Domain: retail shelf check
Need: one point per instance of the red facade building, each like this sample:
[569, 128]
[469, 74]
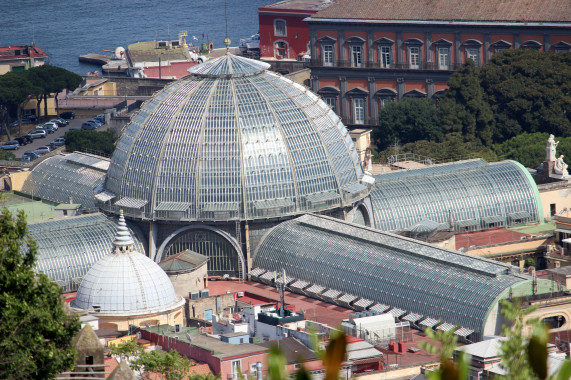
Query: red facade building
[368, 52]
[283, 33]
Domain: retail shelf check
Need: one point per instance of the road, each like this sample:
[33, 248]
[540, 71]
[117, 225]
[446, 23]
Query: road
[75, 123]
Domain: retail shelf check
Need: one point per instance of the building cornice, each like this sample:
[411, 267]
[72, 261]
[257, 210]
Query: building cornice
[440, 22]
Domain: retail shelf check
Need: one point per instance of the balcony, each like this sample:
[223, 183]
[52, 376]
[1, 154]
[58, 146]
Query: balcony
[377, 65]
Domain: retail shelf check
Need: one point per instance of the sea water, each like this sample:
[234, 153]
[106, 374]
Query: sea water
[66, 29]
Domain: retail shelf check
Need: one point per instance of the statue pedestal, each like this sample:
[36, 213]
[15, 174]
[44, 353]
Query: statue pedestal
[547, 168]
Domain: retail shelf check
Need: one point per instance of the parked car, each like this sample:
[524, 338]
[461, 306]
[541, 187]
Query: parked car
[10, 145]
[52, 124]
[38, 133]
[43, 150]
[67, 115]
[100, 118]
[23, 140]
[48, 127]
[59, 122]
[88, 126]
[96, 122]
[29, 156]
[60, 141]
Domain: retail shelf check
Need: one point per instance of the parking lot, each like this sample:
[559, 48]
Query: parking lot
[75, 123]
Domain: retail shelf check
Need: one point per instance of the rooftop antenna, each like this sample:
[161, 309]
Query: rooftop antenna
[226, 40]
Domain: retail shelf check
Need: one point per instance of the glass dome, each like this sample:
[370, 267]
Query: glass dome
[126, 282]
[233, 141]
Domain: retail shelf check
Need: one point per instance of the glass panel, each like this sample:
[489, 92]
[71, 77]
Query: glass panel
[359, 110]
[356, 56]
[280, 28]
[327, 55]
[414, 57]
[385, 56]
[443, 58]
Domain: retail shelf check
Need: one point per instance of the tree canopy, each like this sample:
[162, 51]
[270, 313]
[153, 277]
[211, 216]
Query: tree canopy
[16, 88]
[528, 91]
[464, 108]
[90, 141]
[513, 96]
[408, 120]
[35, 330]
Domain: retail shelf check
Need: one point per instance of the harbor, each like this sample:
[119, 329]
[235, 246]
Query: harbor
[164, 59]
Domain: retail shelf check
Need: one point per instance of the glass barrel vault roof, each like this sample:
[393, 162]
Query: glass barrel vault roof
[470, 191]
[385, 268]
[67, 248]
[233, 134]
[76, 175]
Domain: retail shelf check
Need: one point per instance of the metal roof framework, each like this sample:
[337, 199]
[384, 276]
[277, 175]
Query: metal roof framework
[469, 194]
[234, 133]
[387, 269]
[66, 176]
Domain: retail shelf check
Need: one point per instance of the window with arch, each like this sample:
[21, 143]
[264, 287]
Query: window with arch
[281, 49]
[385, 96]
[330, 96]
[356, 51]
[414, 52]
[531, 44]
[415, 94]
[500, 46]
[561, 47]
[280, 29]
[327, 45]
[472, 51]
[442, 50]
[385, 52]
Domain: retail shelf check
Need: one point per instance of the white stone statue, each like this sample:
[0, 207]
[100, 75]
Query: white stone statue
[550, 149]
[560, 167]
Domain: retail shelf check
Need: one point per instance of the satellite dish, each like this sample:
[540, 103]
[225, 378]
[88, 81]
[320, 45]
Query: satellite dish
[119, 52]
[188, 337]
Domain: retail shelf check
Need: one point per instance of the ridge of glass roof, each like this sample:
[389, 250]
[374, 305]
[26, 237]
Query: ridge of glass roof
[229, 66]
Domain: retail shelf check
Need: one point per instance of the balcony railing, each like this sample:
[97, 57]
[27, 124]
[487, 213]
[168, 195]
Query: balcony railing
[378, 65]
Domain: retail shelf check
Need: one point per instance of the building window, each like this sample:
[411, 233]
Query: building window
[359, 110]
[384, 100]
[280, 28]
[531, 44]
[331, 102]
[472, 49]
[500, 46]
[281, 50]
[385, 55]
[327, 55]
[561, 47]
[473, 53]
[356, 56]
[236, 373]
[443, 58]
[414, 57]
